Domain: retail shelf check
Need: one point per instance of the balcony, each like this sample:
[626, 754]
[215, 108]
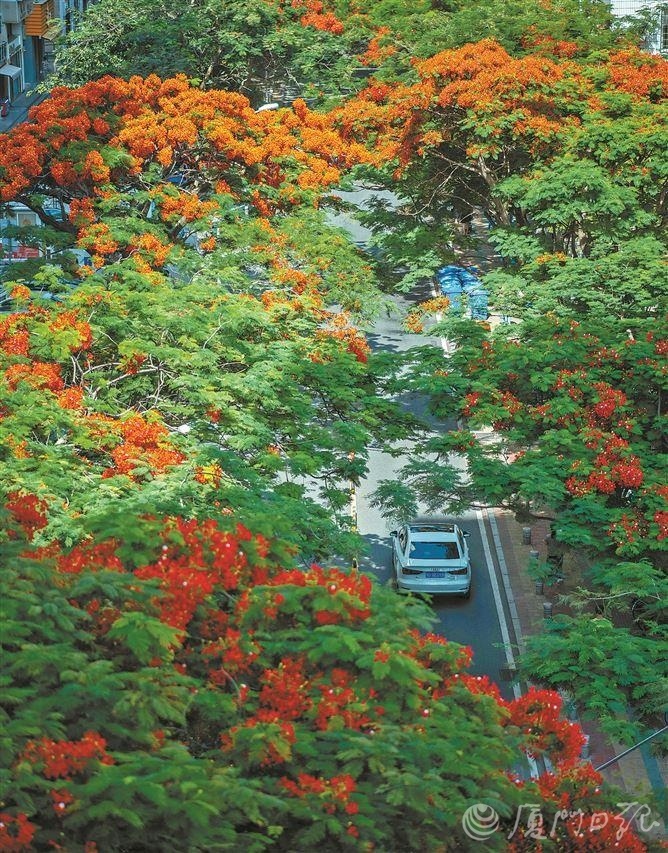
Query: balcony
[14, 11]
[38, 21]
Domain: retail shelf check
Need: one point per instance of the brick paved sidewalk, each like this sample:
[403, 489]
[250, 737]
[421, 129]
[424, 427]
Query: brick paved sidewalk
[640, 776]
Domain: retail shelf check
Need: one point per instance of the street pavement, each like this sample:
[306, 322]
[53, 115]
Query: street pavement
[482, 620]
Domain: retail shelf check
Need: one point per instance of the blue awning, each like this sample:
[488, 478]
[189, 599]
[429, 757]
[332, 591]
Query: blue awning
[12, 71]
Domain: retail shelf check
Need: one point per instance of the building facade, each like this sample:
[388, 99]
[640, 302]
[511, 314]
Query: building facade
[28, 29]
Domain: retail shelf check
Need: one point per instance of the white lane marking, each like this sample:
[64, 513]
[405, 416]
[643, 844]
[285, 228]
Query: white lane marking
[505, 577]
[503, 624]
[353, 506]
[505, 635]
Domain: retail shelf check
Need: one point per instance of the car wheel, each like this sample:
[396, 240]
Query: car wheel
[467, 594]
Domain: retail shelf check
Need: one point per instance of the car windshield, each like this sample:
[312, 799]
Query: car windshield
[434, 550]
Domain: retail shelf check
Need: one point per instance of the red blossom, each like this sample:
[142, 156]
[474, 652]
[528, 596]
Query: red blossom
[16, 832]
[28, 510]
[285, 689]
[332, 794]
[661, 518]
[470, 402]
[61, 800]
[63, 759]
[206, 557]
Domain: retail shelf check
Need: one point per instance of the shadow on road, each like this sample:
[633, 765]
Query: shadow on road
[385, 342]
[378, 558]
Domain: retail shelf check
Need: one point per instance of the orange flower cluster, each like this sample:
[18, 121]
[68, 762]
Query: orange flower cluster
[542, 91]
[96, 169]
[70, 321]
[341, 330]
[71, 398]
[82, 212]
[414, 321]
[327, 22]
[548, 45]
[144, 444]
[14, 337]
[209, 475]
[208, 245]
[639, 73]
[159, 121]
[175, 204]
[379, 48]
[316, 15]
[37, 374]
[152, 249]
[97, 239]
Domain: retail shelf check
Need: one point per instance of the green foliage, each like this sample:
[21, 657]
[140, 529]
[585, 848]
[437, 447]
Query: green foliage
[573, 404]
[605, 668]
[629, 282]
[227, 347]
[262, 45]
[233, 45]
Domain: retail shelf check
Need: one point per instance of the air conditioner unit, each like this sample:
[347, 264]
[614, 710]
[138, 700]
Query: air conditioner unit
[14, 11]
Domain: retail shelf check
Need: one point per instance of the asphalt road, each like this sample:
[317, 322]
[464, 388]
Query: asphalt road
[474, 622]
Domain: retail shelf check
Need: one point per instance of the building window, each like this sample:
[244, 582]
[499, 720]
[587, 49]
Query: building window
[663, 38]
[25, 218]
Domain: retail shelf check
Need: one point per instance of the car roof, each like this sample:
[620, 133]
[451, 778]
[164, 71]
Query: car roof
[432, 527]
[426, 533]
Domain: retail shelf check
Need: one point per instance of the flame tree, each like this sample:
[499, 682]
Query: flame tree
[169, 673]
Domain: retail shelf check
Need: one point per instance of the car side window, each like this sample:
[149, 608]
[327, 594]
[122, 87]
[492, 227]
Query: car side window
[402, 539]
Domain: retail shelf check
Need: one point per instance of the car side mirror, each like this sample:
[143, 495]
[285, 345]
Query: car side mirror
[466, 533]
[394, 532]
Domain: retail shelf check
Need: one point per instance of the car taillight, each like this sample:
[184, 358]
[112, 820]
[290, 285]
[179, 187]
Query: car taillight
[463, 571]
[406, 571]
